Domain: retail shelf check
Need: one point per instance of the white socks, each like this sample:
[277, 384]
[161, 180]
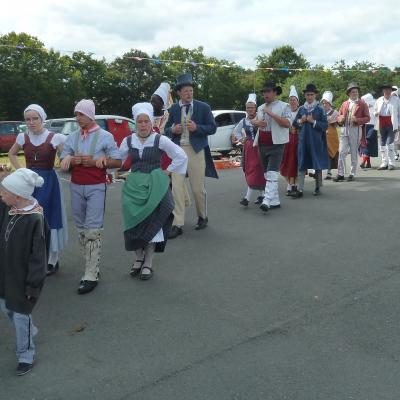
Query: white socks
[148, 258]
[53, 257]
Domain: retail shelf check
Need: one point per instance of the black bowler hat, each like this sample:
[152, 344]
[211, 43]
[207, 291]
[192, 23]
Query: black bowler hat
[310, 88]
[183, 80]
[352, 85]
[271, 85]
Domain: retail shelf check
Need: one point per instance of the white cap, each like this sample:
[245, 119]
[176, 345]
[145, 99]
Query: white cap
[163, 91]
[328, 96]
[143, 108]
[293, 92]
[38, 109]
[86, 107]
[369, 99]
[22, 182]
[252, 98]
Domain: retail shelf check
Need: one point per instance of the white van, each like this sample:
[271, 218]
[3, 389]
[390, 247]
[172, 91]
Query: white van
[226, 120]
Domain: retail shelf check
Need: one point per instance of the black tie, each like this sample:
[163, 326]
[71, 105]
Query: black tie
[187, 108]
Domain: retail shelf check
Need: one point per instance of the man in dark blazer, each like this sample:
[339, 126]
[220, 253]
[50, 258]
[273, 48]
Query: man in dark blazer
[189, 124]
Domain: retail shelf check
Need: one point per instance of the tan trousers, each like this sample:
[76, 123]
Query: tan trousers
[196, 172]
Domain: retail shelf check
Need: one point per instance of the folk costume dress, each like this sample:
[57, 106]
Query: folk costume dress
[40, 152]
[88, 192]
[251, 163]
[370, 148]
[289, 165]
[147, 202]
[312, 151]
[23, 255]
[351, 133]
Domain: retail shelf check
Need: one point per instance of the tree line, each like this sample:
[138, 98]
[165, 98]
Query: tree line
[30, 73]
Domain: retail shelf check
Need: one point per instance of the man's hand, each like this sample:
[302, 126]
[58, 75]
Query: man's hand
[101, 162]
[87, 161]
[303, 119]
[340, 119]
[177, 129]
[259, 124]
[310, 119]
[354, 119]
[192, 127]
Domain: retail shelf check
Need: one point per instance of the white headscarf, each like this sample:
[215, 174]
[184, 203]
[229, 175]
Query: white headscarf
[252, 98]
[328, 96]
[38, 109]
[143, 108]
[163, 91]
[293, 92]
[22, 182]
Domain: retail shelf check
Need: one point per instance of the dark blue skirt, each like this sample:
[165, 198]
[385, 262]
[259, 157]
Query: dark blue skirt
[49, 197]
[371, 149]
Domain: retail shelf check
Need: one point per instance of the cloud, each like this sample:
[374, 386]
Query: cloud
[324, 32]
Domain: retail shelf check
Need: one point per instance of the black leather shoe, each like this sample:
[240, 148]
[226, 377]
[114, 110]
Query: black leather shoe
[317, 192]
[259, 200]
[350, 178]
[86, 286]
[297, 195]
[276, 206]
[175, 232]
[382, 167]
[338, 178]
[244, 202]
[51, 269]
[23, 368]
[264, 208]
[201, 223]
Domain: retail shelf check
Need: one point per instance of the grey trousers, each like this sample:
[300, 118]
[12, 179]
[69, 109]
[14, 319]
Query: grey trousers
[24, 332]
[349, 144]
[88, 204]
[271, 157]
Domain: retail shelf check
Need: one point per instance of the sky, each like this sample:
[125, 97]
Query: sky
[235, 30]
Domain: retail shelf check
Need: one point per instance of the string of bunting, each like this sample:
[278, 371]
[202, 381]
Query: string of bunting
[196, 64]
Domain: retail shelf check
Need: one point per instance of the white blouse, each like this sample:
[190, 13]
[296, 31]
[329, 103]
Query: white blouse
[37, 140]
[174, 152]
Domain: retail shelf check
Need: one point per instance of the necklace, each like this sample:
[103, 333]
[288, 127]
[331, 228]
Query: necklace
[10, 226]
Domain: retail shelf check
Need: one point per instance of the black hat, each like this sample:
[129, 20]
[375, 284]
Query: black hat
[387, 86]
[183, 80]
[352, 85]
[310, 88]
[270, 85]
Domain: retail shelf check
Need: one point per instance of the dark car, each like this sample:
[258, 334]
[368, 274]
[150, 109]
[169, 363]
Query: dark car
[8, 133]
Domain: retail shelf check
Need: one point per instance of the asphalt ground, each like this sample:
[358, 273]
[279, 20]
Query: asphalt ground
[301, 303]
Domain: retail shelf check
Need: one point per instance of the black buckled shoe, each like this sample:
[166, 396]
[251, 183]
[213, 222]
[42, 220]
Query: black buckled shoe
[297, 194]
[264, 208]
[23, 368]
[175, 232]
[350, 178]
[244, 202]
[338, 178]
[52, 269]
[86, 286]
[259, 200]
[275, 207]
[201, 223]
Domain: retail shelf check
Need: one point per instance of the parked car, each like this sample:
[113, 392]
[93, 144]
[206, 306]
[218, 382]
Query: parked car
[120, 127]
[226, 120]
[8, 133]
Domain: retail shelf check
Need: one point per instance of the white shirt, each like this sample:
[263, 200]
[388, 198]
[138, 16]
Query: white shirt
[37, 140]
[174, 152]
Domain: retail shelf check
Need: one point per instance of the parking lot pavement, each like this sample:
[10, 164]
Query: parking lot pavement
[301, 303]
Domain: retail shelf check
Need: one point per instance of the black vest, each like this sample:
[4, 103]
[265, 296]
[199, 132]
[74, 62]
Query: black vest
[150, 159]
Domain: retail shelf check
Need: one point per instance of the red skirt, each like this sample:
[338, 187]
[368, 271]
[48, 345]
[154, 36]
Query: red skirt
[289, 165]
[253, 170]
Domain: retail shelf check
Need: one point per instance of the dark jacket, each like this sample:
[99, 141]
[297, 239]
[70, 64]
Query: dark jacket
[312, 147]
[23, 258]
[206, 126]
